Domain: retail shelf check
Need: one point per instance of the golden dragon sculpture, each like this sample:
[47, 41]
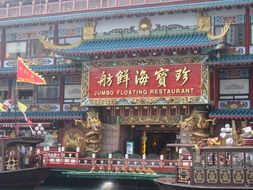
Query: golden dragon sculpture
[87, 136]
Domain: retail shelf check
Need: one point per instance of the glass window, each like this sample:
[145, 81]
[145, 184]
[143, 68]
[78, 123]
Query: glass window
[234, 84]
[235, 35]
[3, 95]
[69, 40]
[72, 92]
[25, 95]
[4, 83]
[48, 94]
[37, 49]
[15, 49]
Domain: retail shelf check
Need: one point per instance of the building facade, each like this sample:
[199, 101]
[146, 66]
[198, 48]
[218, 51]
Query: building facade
[143, 68]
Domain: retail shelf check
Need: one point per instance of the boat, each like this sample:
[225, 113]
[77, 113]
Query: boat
[211, 167]
[20, 163]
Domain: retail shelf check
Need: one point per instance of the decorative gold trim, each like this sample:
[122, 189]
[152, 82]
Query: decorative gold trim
[132, 120]
[48, 45]
[145, 26]
[203, 99]
[88, 34]
[222, 34]
[204, 24]
[89, 31]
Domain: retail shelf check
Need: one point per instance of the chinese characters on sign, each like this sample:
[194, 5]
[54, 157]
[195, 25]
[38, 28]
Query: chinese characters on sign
[145, 81]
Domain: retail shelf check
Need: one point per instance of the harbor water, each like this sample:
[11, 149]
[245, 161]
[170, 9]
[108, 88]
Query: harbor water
[93, 184]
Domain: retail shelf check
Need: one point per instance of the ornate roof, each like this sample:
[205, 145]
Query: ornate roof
[136, 11]
[61, 68]
[141, 43]
[231, 60]
[55, 115]
[232, 113]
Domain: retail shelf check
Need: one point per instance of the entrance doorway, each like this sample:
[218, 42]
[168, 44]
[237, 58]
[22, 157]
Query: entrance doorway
[156, 140]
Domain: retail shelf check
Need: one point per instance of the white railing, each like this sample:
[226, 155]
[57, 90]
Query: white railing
[64, 6]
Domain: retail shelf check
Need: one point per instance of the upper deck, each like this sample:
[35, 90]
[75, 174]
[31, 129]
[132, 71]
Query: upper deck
[30, 8]
[23, 8]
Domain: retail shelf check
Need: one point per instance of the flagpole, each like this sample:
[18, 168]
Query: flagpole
[15, 102]
[25, 74]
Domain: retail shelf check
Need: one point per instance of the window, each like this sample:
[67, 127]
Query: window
[235, 35]
[72, 90]
[25, 95]
[70, 35]
[37, 49]
[15, 49]
[3, 95]
[72, 93]
[234, 84]
[4, 86]
[48, 94]
[69, 40]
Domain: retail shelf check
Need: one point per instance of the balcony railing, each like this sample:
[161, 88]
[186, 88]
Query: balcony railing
[44, 7]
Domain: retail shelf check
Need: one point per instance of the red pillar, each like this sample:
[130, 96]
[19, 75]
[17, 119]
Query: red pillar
[3, 47]
[211, 85]
[56, 37]
[250, 86]
[247, 30]
[216, 87]
[62, 89]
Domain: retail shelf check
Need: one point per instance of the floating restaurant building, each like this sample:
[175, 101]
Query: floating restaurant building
[123, 76]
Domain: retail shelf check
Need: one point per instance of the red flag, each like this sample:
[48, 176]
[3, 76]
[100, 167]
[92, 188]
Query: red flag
[26, 75]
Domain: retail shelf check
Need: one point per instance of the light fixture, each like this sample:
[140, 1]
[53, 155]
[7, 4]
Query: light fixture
[162, 126]
[147, 126]
[132, 126]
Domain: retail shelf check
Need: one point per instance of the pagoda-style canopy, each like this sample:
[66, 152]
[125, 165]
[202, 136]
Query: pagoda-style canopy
[231, 60]
[176, 6]
[185, 41]
[53, 69]
[55, 115]
[232, 114]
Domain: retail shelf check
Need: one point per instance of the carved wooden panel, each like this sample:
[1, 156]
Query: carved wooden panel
[212, 176]
[238, 176]
[225, 176]
[199, 176]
